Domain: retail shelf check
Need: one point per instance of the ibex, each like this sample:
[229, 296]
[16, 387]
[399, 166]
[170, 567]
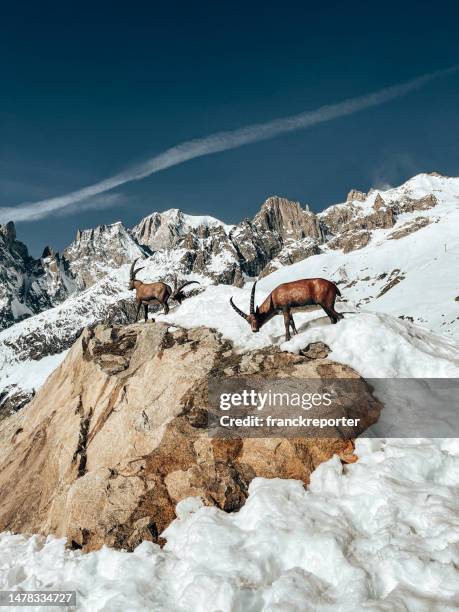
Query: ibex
[289, 296]
[146, 293]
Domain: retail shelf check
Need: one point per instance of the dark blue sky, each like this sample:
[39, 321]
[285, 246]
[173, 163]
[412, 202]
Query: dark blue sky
[88, 89]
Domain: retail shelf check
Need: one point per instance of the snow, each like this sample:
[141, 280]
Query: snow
[374, 344]
[378, 345]
[348, 542]
[29, 375]
[196, 221]
[381, 534]
[424, 261]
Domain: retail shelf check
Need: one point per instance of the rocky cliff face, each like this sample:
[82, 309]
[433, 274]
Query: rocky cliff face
[225, 253]
[29, 285]
[281, 233]
[96, 252]
[106, 462]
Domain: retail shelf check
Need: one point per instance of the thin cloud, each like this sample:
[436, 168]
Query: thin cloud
[216, 143]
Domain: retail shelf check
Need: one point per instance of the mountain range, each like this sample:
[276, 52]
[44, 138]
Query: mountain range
[392, 250]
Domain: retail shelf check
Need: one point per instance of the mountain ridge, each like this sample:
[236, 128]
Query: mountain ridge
[281, 232]
[393, 251]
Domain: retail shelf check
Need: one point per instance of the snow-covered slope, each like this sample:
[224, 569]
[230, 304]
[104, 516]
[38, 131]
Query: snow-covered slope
[375, 344]
[350, 542]
[407, 269]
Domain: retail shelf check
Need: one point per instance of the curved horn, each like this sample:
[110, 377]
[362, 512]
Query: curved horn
[239, 312]
[185, 284]
[252, 298]
[131, 272]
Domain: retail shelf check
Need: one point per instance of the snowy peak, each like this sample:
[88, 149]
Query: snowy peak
[96, 252]
[28, 285]
[289, 220]
[165, 230]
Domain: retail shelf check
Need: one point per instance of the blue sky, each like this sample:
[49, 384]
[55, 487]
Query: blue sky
[91, 90]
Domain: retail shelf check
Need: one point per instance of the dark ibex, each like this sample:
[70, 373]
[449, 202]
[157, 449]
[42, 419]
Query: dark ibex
[146, 293]
[289, 296]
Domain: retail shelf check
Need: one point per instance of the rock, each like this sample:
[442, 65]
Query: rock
[316, 350]
[27, 285]
[351, 241]
[12, 399]
[409, 228]
[394, 278]
[117, 436]
[287, 220]
[292, 253]
[410, 205]
[95, 251]
[357, 195]
[348, 217]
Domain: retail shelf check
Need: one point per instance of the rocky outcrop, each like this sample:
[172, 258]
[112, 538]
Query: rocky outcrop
[13, 399]
[118, 435]
[281, 233]
[292, 252]
[350, 241]
[411, 205]
[356, 195]
[204, 245]
[28, 285]
[95, 252]
[287, 220]
[344, 218]
[394, 278]
[166, 230]
[409, 228]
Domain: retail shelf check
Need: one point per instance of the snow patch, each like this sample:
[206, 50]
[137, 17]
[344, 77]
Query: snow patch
[351, 541]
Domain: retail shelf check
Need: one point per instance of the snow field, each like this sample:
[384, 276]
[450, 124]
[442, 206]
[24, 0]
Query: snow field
[350, 541]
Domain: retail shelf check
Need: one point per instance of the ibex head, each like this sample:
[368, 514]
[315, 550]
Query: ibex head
[253, 318]
[177, 292]
[132, 274]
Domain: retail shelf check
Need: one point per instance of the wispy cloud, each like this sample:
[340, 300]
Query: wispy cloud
[215, 143]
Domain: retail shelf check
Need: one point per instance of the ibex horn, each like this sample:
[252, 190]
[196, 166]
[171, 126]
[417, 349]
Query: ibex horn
[185, 284]
[132, 273]
[252, 299]
[239, 312]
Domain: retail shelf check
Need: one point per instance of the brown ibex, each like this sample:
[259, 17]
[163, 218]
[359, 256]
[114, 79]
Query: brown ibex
[289, 296]
[146, 293]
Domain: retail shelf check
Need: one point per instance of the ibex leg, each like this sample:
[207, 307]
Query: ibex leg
[138, 311]
[145, 307]
[331, 314]
[338, 315]
[286, 314]
[292, 325]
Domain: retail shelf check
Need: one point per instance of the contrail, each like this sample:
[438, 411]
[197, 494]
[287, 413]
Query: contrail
[215, 143]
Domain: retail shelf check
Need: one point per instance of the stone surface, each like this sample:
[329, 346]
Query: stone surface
[409, 228]
[117, 436]
[351, 241]
[316, 350]
[281, 233]
[95, 252]
[29, 285]
[357, 195]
